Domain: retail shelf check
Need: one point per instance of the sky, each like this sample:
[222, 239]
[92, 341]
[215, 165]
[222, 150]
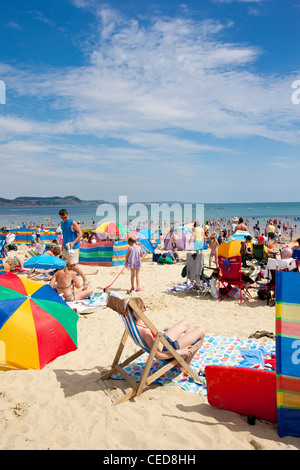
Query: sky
[195, 101]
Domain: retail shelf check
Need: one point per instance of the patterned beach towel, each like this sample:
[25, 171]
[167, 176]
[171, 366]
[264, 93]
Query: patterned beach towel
[216, 350]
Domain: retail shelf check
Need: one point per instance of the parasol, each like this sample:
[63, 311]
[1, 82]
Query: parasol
[36, 324]
[229, 249]
[44, 262]
[112, 227]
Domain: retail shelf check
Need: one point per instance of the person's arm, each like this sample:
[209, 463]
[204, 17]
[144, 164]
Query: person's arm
[126, 257]
[76, 280]
[77, 229]
[163, 355]
[53, 281]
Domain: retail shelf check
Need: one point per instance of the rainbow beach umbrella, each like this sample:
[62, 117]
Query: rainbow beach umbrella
[36, 325]
[112, 227]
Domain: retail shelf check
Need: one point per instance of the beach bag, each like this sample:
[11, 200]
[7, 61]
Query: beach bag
[262, 293]
[183, 272]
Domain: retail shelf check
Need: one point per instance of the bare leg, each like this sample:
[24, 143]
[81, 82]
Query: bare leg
[191, 337]
[177, 330]
[137, 277]
[216, 261]
[79, 295]
[132, 272]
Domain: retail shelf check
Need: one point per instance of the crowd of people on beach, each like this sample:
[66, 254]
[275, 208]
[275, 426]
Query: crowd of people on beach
[72, 283]
[208, 236]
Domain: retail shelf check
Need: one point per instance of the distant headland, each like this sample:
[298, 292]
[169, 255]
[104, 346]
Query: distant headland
[48, 201]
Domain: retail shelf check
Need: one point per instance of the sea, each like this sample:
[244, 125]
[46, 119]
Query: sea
[137, 215]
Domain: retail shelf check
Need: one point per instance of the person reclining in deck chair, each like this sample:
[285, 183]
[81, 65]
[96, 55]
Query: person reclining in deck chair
[177, 336]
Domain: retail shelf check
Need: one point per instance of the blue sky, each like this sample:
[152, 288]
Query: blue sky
[163, 100]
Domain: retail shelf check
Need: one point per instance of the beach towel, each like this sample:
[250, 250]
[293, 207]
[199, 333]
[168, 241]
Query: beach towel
[89, 304]
[181, 287]
[216, 350]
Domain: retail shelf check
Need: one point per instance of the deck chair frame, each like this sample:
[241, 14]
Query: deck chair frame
[138, 387]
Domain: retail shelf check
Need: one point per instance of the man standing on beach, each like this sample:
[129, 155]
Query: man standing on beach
[72, 235]
[240, 226]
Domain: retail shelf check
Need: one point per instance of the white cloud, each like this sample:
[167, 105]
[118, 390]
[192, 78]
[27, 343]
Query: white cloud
[173, 74]
[159, 91]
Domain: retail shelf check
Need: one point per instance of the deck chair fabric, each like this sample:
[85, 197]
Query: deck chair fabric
[230, 278]
[131, 331]
[2, 268]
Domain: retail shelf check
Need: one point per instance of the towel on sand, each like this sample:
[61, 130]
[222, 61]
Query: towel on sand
[216, 350]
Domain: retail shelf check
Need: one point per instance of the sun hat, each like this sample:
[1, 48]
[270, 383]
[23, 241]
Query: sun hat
[235, 219]
[260, 239]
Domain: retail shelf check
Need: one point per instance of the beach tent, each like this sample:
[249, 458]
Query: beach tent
[185, 240]
[288, 352]
[103, 253]
[144, 235]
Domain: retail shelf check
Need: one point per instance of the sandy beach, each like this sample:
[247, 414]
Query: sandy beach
[63, 406]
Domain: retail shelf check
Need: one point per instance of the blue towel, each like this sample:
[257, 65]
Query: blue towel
[253, 358]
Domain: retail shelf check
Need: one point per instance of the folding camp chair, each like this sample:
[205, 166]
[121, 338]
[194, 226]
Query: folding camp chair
[259, 253]
[131, 330]
[271, 285]
[230, 277]
[204, 286]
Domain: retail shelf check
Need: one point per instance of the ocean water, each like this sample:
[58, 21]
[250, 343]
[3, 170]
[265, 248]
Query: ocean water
[285, 211]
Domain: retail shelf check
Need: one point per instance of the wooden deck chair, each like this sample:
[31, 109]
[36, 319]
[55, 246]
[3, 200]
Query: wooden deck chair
[131, 331]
